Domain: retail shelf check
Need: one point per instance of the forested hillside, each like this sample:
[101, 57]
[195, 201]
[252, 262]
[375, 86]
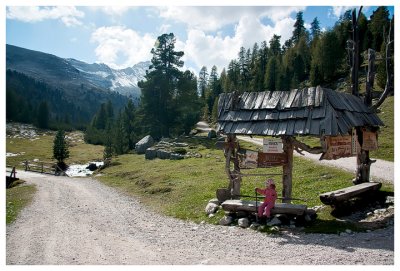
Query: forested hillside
[310, 57]
[32, 101]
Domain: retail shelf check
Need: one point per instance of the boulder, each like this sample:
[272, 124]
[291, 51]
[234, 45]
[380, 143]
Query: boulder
[211, 208]
[244, 222]
[151, 153]
[163, 154]
[145, 143]
[226, 220]
[216, 201]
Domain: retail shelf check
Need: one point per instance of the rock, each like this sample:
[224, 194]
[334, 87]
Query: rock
[181, 145]
[348, 231]
[274, 222]
[389, 200]
[241, 214]
[243, 222]
[92, 167]
[212, 134]
[145, 143]
[216, 201]
[151, 153]
[254, 226]
[307, 218]
[211, 208]
[176, 156]
[226, 220]
[36, 160]
[211, 215]
[163, 154]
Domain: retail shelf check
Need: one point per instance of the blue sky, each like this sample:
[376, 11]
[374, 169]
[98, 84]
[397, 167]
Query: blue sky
[122, 35]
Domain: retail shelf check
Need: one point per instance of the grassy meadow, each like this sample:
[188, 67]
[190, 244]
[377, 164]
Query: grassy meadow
[182, 188]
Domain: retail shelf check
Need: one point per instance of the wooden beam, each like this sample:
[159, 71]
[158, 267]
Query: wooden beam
[287, 169]
[250, 206]
[334, 197]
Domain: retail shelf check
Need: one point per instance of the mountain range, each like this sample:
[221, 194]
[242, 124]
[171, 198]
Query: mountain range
[66, 72]
[71, 91]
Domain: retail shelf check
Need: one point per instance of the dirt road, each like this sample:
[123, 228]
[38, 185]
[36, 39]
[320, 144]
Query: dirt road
[81, 221]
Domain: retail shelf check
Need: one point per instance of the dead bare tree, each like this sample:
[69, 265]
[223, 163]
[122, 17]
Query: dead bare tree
[389, 86]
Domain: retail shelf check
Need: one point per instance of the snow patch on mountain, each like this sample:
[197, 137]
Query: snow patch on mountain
[124, 81]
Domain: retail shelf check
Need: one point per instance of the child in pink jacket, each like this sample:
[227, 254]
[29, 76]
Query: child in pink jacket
[269, 201]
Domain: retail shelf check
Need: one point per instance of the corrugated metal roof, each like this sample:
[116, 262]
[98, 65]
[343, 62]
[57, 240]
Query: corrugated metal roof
[309, 111]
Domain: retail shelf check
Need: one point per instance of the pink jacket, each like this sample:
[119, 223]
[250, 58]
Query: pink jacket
[270, 195]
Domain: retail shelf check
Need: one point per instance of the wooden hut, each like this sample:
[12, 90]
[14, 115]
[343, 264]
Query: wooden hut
[313, 111]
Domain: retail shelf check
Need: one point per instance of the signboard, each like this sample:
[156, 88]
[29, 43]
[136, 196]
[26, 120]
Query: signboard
[252, 159]
[271, 159]
[248, 159]
[370, 141]
[272, 145]
[338, 147]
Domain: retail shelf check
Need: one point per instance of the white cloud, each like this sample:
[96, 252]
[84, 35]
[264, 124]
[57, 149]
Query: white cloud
[68, 15]
[121, 47]
[336, 11]
[214, 18]
[206, 49]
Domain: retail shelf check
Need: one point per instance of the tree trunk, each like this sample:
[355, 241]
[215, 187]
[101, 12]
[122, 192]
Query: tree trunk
[234, 179]
[363, 162]
[287, 169]
[370, 77]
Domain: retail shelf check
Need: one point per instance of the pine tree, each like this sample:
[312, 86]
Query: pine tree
[160, 85]
[299, 29]
[315, 29]
[379, 26]
[203, 81]
[108, 144]
[60, 149]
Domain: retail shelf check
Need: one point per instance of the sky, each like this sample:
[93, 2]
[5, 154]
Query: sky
[122, 35]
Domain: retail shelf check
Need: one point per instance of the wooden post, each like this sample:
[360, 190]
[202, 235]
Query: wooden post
[287, 169]
[26, 165]
[370, 77]
[234, 178]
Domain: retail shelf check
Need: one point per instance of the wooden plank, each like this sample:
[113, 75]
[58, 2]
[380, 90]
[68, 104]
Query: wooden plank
[290, 99]
[259, 100]
[248, 104]
[250, 206]
[266, 100]
[334, 197]
[282, 101]
[311, 96]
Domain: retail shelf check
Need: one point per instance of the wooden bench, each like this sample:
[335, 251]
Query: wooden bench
[235, 205]
[344, 194]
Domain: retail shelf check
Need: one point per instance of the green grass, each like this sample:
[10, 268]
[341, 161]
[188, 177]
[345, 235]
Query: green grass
[16, 199]
[386, 133]
[182, 188]
[42, 149]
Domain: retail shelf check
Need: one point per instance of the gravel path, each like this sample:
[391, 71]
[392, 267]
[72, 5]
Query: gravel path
[81, 221]
[382, 170]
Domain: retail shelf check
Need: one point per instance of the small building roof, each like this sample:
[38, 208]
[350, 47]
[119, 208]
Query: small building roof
[310, 111]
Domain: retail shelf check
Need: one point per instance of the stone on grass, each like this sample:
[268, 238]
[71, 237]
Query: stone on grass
[216, 201]
[163, 154]
[211, 208]
[145, 143]
[151, 153]
[176, 156]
